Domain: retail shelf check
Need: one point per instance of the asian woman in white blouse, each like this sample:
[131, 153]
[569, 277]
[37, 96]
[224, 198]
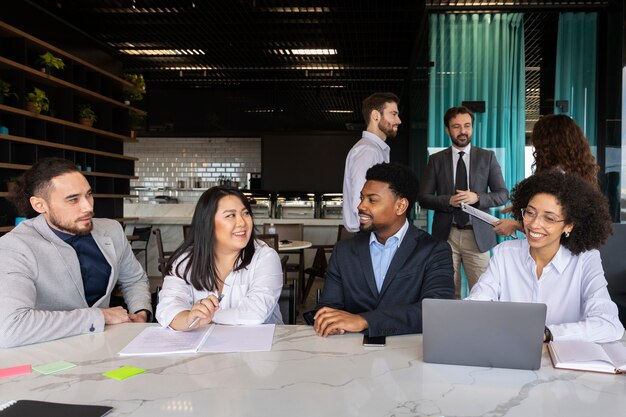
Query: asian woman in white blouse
[221, 273]
[565, 219]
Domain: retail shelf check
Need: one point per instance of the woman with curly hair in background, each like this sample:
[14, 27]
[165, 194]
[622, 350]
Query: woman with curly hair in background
[561, 145]
[565, 220]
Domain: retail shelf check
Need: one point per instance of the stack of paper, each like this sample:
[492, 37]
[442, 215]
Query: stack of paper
[215, 338]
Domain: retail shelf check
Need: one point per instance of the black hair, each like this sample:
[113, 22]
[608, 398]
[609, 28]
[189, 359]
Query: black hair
[401, 179]
[455, 111]
[198, 248]
[377, 101]
[36, 182]
[583, 205]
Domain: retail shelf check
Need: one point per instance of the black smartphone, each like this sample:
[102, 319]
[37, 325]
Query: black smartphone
[309, 317]
[377, 341]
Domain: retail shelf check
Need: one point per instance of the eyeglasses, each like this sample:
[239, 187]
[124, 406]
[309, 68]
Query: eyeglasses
[546, 219]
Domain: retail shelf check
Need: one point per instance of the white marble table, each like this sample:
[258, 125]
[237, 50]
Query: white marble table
[304, 375]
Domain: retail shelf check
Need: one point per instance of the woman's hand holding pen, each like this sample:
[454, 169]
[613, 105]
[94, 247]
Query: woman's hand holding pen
[202, 312]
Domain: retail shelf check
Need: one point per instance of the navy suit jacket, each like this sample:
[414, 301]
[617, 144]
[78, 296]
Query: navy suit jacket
[421, 268]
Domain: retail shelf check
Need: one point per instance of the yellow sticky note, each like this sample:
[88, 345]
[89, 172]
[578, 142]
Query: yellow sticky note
[124, 372]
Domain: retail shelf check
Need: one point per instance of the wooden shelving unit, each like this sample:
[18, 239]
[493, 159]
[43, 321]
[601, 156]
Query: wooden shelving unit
[50, 80]
[97, 150]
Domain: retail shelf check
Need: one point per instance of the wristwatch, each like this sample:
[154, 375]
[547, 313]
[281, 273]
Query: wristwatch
[547, 335]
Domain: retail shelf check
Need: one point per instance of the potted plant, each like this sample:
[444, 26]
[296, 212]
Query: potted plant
[86, 115]
[138, 81]
[136, 122]
[36, 101]
[50, 61]
[5, 91]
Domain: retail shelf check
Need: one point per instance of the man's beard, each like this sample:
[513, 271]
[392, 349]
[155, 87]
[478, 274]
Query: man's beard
[387, 129]
[370, 228]
[69, 228]
[460, 144]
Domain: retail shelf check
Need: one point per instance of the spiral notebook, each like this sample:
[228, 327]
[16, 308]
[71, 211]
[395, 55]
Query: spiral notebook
[30, 408]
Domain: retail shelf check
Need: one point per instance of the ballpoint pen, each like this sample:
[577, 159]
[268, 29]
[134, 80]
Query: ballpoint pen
[197, 319]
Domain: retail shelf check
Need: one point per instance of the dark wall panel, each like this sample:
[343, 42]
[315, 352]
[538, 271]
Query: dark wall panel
[306, 162]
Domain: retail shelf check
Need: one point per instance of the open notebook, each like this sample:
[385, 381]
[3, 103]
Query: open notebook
[588, 356]
[156, 340]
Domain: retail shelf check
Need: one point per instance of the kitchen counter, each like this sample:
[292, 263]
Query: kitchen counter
[182, 214]
[169, 218]
[258, 222]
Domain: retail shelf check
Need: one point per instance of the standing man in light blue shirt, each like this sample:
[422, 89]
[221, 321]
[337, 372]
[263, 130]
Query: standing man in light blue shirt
[380, 111]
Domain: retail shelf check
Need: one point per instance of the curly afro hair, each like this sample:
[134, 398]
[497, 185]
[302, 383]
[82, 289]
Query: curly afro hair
[583, 205]
[401, 179]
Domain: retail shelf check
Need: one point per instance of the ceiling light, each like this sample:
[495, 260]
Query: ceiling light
[162, 51]
[303, 51]
[339, 111]
[313, 51]
[262, 111]
[142, 10]
[296, 9]
[188, 68]
[317, 67]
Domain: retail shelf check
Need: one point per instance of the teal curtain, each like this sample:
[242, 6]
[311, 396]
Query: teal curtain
[576, 70]
[480, 57]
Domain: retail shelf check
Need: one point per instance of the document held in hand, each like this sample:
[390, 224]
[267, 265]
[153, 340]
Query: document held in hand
[481, 215]
[216, 338]
[588, 356]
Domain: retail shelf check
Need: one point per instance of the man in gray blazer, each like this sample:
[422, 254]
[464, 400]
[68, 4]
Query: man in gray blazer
[463, 174]
[58, 270]
[376, 281]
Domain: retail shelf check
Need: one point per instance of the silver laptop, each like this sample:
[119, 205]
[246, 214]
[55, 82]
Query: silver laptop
[483, 333]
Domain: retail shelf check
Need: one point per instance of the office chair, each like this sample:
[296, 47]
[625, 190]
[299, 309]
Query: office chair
[612, 254]
[140, 244]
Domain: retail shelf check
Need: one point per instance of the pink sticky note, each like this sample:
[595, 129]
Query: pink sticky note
[15, 371]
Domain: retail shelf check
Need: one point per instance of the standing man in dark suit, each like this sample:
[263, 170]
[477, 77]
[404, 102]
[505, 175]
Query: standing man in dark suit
[465, 174]
[377, 280]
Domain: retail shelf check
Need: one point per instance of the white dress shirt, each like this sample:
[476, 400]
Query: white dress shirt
[466, 159]
[366, 153]
[573, 288]
[249, 296]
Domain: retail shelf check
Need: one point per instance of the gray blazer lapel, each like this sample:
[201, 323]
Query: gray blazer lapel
[448, 170]
[365, 259]
[105, 243]
[407, 247]
[474, 158]
[66, 253]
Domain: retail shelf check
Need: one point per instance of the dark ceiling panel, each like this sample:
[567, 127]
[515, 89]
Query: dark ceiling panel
[241, 51]
[245, 48]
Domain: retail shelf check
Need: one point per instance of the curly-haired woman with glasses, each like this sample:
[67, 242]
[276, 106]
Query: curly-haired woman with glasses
[565, 221]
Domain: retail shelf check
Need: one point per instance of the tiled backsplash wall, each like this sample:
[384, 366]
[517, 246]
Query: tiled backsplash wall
[163, 162]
